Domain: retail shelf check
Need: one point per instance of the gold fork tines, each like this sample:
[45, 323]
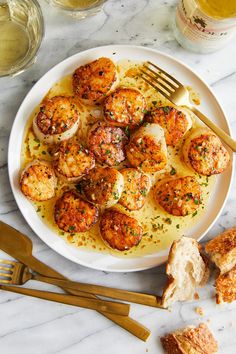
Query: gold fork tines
[10, 271]
[178, 94]
[6, 271]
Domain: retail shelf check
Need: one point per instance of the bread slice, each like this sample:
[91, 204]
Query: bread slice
[190, 340]
[222, 250]
[186, 269]
[226, 287]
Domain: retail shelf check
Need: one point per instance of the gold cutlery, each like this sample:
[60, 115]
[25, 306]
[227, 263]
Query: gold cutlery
[92, 304]
[175, 92]
[18, 274]
[19, 247]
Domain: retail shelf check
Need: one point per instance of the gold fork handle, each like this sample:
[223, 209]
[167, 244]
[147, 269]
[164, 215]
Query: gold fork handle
[93, 304]
[224, 136]
[130, 296]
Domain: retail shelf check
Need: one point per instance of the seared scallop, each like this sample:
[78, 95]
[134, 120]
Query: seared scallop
[107, 143]
[73, 214]
[120, 231]
[93, 81]
[38, 181]
[174, 122]
[103, 186]
[57, 120]
[205, 153]
[179, 196]
[147, 148]
[71, 160]
[125, 107]
[136, 188]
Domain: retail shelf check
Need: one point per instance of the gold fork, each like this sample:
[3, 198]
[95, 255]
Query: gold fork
[14, 273]
[175, 92]
[17, 273]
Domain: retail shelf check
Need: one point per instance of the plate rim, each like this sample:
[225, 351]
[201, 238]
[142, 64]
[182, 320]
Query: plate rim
[162, 257]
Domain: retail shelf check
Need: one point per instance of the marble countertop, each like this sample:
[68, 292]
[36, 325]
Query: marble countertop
[30, 325]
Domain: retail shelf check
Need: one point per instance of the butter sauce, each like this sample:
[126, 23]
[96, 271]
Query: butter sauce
[160, 229]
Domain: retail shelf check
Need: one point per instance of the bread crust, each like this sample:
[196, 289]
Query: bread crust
[222, 250]
[190, 340]
[226, 287]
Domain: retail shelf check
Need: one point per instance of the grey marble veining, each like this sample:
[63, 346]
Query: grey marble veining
[33, 326]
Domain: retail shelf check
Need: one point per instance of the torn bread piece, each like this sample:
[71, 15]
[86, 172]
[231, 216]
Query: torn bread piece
[222, 250]
[187, 269]
[190, 340]
[226, 287]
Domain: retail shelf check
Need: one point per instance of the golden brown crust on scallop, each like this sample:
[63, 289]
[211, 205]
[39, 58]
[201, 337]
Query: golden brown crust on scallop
[207, 155]
[191, 340]
[73, 214]
[174, 122]
[179, 196]
[226, 287]
[120, 231]
[125, 107]
[94, 80]
[107, 143]
[222, 249]
[102, 186]
[71, 160]
[57, 115]
[136, 188]
[38, 181]
[145, 152]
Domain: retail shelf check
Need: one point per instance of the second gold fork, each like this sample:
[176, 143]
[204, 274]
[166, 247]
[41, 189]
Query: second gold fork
[18, 274]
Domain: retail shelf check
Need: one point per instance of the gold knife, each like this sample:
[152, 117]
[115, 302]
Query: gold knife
[80, 301]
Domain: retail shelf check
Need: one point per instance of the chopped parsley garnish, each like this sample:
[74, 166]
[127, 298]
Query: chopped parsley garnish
[172, 171]
[143, 191]
[166, 109]
[168, 221]
[115, 195]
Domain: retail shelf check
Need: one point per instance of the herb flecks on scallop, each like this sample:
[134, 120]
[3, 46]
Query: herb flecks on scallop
[179, 196]
[120, 231]
[147, 148]
[175, 123]
[125, 107]
[73, 214]
[107, 143]
[93, 81]
[57, 120]
[102, 186]
[136, 188]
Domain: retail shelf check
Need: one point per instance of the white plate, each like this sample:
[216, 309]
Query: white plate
[209, 105]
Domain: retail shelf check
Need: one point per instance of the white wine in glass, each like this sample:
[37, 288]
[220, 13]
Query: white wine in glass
[78, 8]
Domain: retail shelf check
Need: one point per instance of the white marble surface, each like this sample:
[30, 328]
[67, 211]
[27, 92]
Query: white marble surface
[34, 326]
